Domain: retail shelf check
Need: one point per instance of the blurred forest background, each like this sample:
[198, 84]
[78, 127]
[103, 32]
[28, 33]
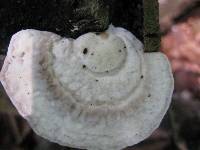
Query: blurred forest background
[180, 129]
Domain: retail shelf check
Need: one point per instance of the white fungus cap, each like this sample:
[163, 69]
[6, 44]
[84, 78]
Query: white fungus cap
[97, 92]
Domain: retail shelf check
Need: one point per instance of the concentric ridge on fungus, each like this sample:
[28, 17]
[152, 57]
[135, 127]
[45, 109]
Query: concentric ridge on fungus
[99, 91]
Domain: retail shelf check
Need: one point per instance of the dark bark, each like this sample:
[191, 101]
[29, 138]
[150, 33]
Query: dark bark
[69, 18]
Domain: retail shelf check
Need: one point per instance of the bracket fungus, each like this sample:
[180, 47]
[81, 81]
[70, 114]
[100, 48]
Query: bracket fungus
[99, 91]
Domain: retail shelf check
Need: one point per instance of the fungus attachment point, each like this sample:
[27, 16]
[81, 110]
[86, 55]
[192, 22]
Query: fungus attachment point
[92, 91]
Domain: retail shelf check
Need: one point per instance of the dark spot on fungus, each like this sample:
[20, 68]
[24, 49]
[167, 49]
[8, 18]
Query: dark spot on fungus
[42, 61]
[28, 93]
[54, 57]
[72, 107]
[124, 46]
[92, 53]
[120, 51]
[85, 51]
[142, 77]
[96, 80]
[107, 71]
[13, 56]
[22, 54]
[84, 66]
[149, 95]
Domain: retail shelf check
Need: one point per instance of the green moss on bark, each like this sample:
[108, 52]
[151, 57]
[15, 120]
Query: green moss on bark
[100, 11]
[152, 44]
[89, 16]
[151, 26]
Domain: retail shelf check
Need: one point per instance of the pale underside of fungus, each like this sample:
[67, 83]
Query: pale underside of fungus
[97, 92]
